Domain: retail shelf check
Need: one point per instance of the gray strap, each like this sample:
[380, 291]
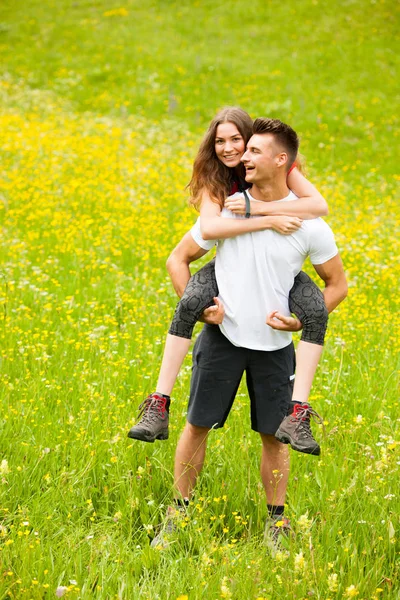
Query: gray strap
[247, 199]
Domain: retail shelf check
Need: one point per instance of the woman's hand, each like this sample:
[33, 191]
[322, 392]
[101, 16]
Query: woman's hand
[236, 205]
[283, 323]
[285, 225]
[281, 223]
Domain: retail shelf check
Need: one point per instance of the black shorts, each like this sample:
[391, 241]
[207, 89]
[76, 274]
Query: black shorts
[218, 367]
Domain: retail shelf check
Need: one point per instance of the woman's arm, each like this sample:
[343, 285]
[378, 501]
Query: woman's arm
[213, 227]
[310, 203]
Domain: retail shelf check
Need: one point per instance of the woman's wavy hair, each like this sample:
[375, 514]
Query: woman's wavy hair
[209, 173]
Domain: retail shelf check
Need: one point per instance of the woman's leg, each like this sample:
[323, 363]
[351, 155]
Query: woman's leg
[307, 359]
[198, 295]
[306, 301]
[175, 350]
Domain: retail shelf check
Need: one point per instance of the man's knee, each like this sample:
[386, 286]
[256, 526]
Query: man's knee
[192, 444]
[271, 444]
[196, 432]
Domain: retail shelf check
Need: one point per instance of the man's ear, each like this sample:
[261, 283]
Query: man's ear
[281, 159]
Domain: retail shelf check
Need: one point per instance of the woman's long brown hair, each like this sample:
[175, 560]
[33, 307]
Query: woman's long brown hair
[301, 163]
[209, 173]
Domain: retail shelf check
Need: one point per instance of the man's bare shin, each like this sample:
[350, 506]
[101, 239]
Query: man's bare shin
[274, 469]
[189, 459]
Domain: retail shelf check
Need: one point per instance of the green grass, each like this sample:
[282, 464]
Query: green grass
[101, 117]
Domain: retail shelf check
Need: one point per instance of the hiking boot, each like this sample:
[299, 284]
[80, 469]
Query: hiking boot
[153, 424]
[295, 430]
[169, 527]
[277, 533]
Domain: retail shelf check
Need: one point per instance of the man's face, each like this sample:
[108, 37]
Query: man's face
[262, 158]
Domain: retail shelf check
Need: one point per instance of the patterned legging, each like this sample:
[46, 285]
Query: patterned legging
[306, 301]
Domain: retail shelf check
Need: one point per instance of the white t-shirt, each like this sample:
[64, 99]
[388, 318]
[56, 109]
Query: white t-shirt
[255, 273]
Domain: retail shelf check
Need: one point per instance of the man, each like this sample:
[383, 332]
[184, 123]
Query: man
[255, 273]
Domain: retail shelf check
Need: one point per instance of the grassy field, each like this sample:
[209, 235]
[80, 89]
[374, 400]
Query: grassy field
[103, 107]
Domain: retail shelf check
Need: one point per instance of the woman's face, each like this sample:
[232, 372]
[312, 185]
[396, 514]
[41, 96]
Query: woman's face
[229, 144]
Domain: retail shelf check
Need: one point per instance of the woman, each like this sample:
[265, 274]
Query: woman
[217, 174]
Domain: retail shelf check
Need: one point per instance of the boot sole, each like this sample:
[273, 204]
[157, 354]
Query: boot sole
[286, 439]
[146, 438]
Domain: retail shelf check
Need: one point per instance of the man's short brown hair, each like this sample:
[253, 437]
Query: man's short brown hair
[284, 134]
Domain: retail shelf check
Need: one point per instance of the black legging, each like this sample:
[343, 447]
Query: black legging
[306, 301]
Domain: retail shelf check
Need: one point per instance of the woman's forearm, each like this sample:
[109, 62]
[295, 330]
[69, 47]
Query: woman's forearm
[220, 228]
[310, 203]
[303, 208]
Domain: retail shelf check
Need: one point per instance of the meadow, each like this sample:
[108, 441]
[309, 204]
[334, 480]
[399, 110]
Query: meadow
[103, 105]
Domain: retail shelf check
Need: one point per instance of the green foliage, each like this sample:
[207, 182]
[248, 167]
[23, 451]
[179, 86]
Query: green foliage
[103, 106]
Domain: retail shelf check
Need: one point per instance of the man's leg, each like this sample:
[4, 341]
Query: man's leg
[274, 469]
[269, 383]
[217, 369]
[189, 459]
[274, 474]
[216, 375]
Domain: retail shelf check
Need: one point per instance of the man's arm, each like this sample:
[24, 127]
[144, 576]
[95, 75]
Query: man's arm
[332, 273]
[178, 268]
[179, 260]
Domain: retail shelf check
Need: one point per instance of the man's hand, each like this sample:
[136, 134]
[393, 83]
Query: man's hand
[282, 322]
[214, 315]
